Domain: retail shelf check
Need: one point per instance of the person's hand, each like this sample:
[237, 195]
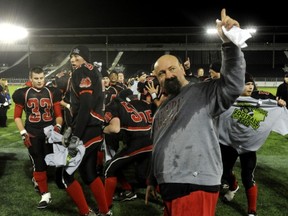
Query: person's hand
[227, 22]
[26, 138]
[150, 190]
[281, 102]
[57, 128]
[73, 144]
[152, 90]
[187, 64]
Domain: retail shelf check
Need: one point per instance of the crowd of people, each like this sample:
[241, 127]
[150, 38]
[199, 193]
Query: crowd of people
[167, 123]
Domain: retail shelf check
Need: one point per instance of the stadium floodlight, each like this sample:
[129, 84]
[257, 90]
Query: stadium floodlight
[11, 33]
[251, 30]
[212, 31]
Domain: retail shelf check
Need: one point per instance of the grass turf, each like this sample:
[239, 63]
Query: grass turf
[19, 198]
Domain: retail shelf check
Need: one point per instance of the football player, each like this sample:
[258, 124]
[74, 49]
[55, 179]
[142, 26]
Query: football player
[87, 105]
[134, 119]
[42, 107]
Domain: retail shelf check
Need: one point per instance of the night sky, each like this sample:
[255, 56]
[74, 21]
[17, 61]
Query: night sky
[105, 13]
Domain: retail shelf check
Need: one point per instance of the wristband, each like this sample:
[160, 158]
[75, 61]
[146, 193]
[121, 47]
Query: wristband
[22, 132]
[68, 106]
[154, 96]
[59, 126]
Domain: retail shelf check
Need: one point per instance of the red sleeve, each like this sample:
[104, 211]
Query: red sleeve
[18, 111]
[57, 109]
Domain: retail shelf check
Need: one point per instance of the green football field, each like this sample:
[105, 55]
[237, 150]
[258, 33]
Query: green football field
[19, 198]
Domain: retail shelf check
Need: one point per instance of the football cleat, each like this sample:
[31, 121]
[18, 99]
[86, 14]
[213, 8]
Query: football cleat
[252, 214]
[125, 196]
[90, 213]
[230, 194]
[109, 213]
[45, 200]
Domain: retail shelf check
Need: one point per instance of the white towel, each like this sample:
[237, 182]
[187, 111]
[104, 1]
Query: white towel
[59, 157]
[237, 35]
[53, 136]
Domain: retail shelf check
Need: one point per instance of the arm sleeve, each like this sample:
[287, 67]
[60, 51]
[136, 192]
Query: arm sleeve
[111, 111]
[57, 109]
[83, 115]
[223, 92]
[19, 100]
[18, 111]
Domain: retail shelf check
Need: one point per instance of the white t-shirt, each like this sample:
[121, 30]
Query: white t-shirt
[247, 124]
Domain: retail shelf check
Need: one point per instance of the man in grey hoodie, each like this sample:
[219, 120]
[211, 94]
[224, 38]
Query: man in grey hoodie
[186, 157]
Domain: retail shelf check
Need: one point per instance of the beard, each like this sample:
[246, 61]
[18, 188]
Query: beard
[172, 86]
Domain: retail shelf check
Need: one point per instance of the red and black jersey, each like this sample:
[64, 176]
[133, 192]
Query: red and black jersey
[119, 87]
[38, 105]
[86, 98]
[110, 94]
[135, 117]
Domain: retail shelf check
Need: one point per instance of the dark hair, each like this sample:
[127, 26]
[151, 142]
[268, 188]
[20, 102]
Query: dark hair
[249, 77]
[36, 70]
[113, 72]
[105, 73]
[141, 72]
[125, 93]
[216, 66]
